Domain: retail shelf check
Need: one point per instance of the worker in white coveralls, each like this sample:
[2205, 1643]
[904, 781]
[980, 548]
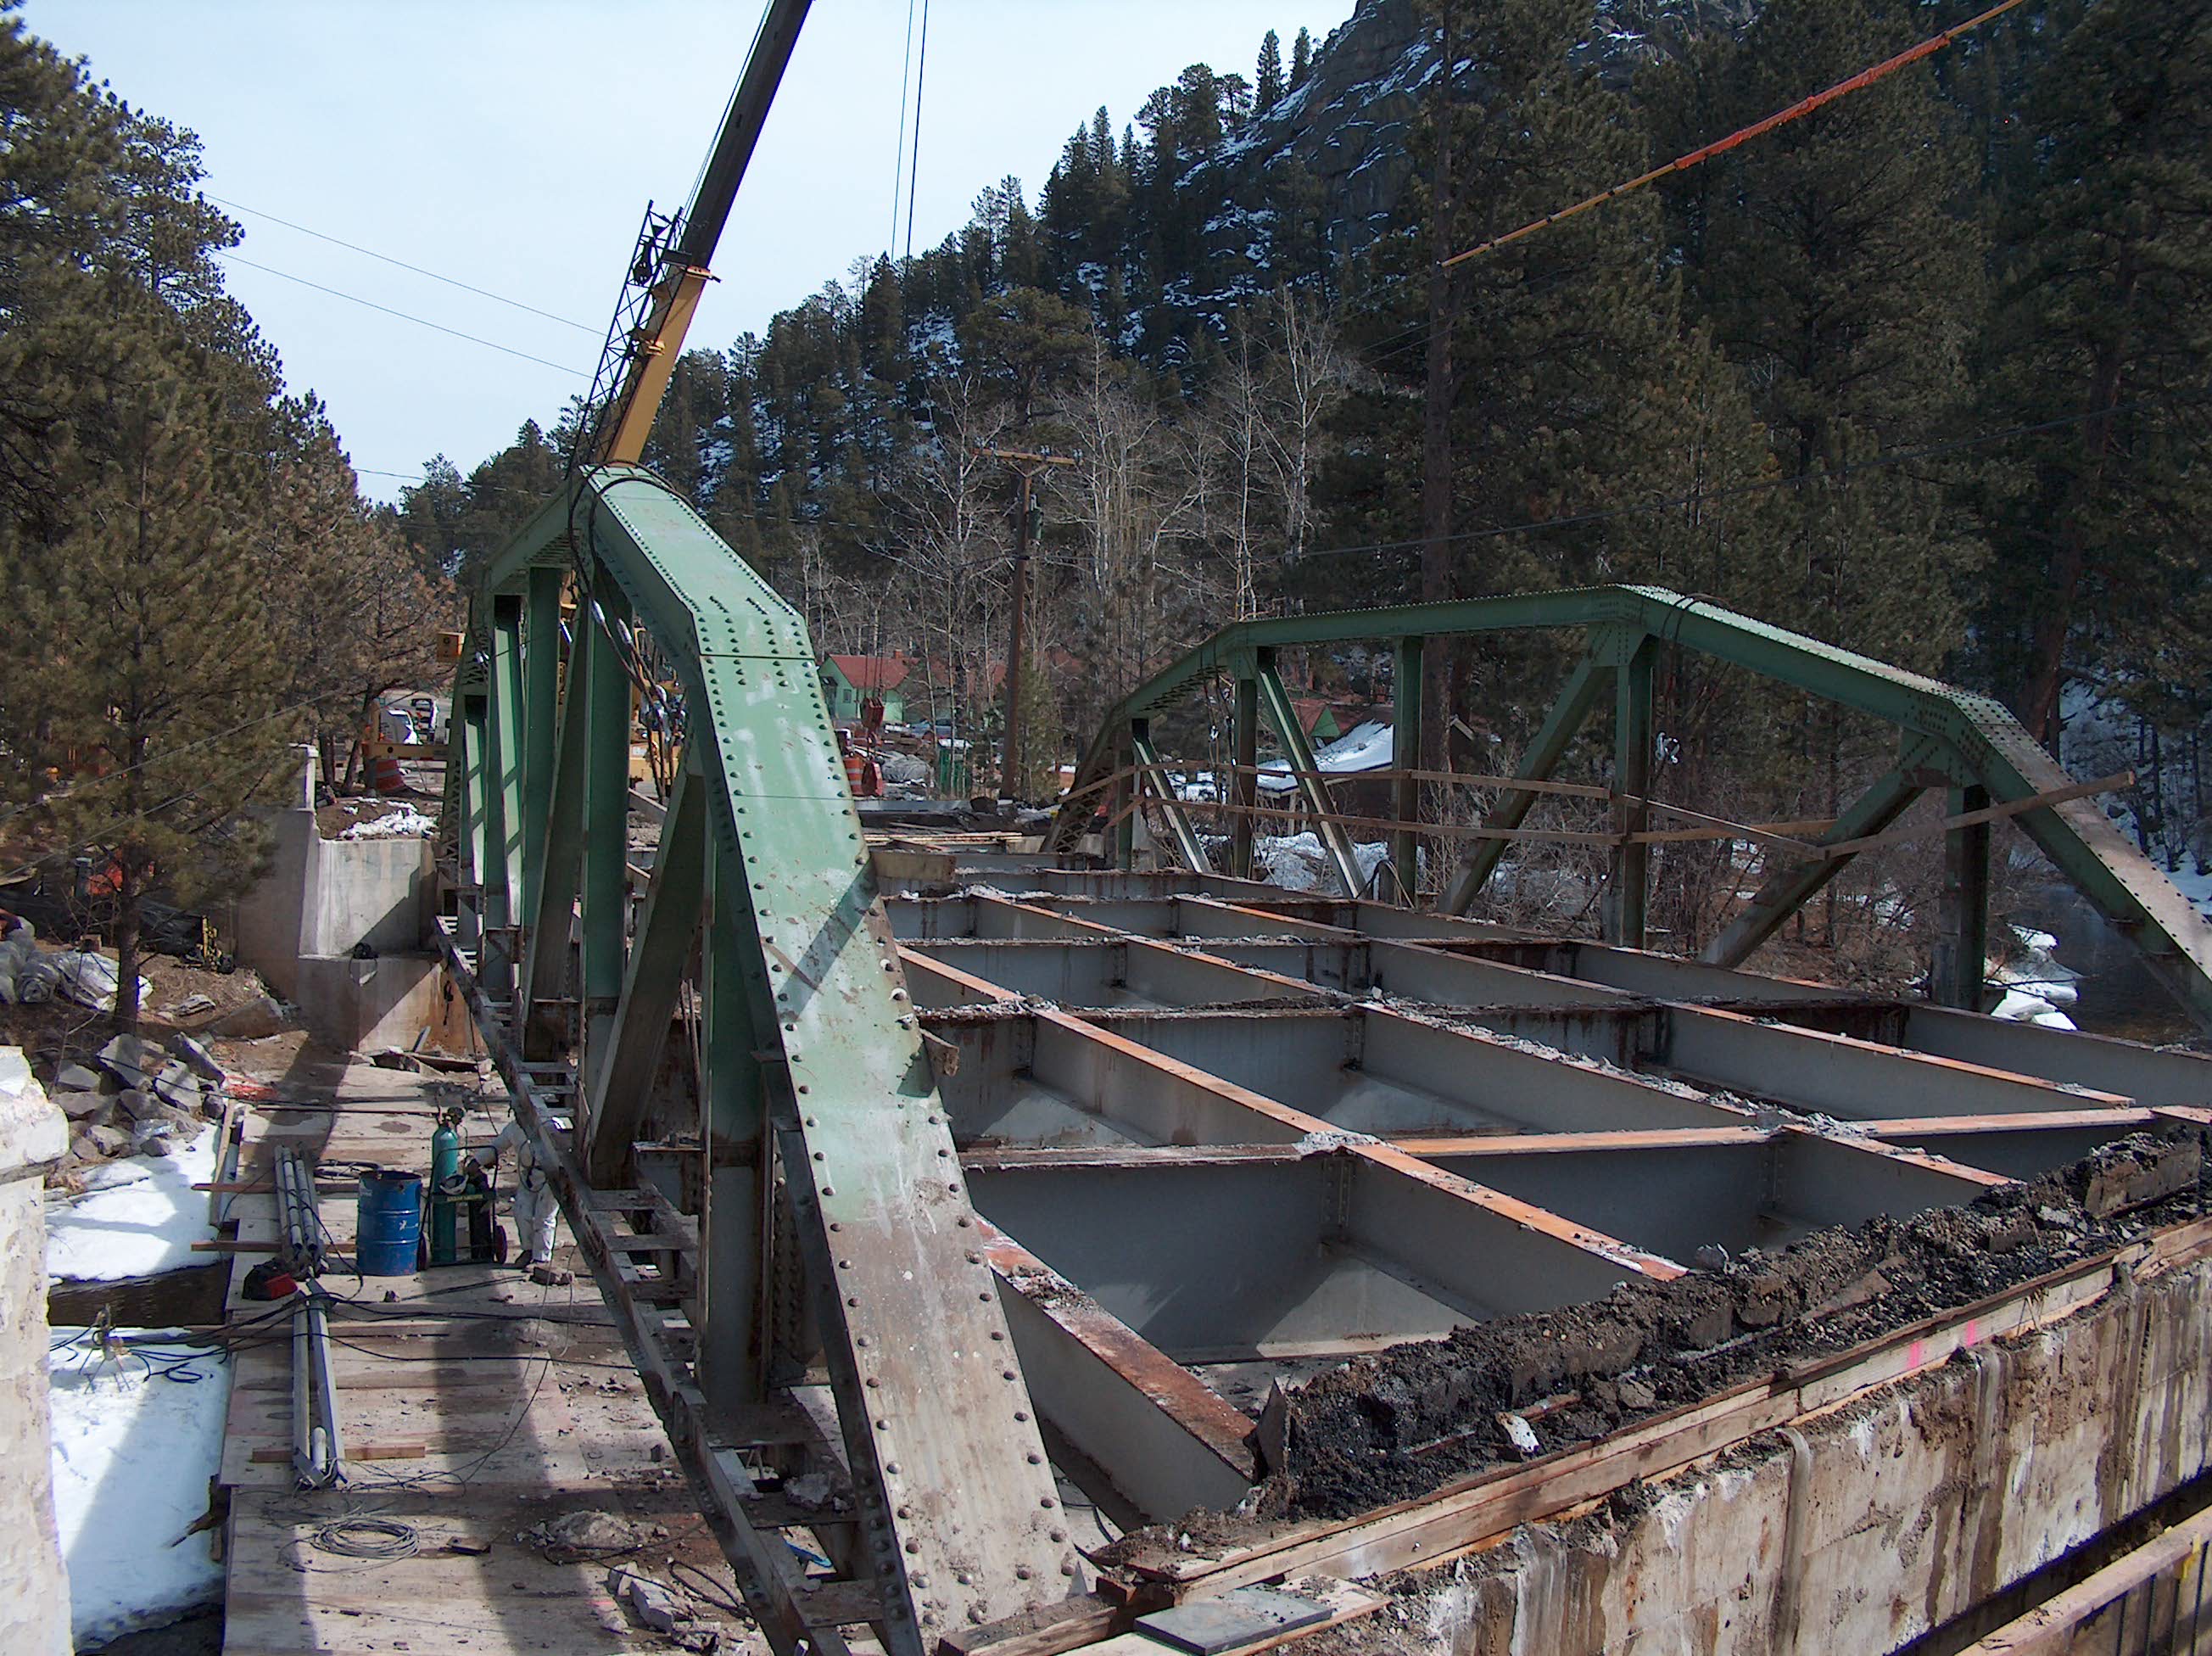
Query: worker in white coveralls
[534, 1205]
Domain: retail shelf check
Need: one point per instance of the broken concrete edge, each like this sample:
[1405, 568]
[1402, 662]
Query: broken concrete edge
[35, 1615]
[33, 1132]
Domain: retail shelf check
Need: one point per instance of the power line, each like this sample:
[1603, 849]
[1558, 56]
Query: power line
[401, 263]
[420, 322]
[1865, 77]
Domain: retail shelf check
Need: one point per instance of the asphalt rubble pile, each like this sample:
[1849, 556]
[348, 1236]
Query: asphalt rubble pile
[1402, 1423]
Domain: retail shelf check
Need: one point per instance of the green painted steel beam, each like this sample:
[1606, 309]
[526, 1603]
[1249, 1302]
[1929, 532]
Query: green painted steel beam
[622, 1076]
[1545, 749]
[541, 717]
[1178, 819]
[734, 1345]
[1628, 883]
[945, 1455]
[501, 874]
[1993, 750]
[1405, 756]
[468, 727]
[1243, 783]
[1962, 949]
[1275, 704]
[1795, 884]
[605, 886]
[552, 858]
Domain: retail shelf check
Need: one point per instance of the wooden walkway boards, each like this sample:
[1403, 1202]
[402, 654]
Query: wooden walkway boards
[476, 1406]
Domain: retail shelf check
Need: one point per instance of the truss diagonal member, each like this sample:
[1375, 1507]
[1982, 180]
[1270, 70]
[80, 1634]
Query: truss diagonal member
[622, 1076]
[1151, 774]
[1789, 887]
[959, 1516]
[1546, 748]
[1275, 703]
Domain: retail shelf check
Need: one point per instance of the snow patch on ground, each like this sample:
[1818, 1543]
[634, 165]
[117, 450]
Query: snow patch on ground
[140, 1219]
[132, 1455]
[405, 822]
[1299, 862]
[2035, 985]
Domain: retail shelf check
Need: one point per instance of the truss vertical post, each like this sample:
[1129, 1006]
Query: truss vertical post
[1794, 884]
[1546, 748]
[551, 855]
[1628, 885]
[1178, 820]
[469, 833]
[732, 1357]
[1405, 756]
[1962, 950]
[1275, 700]
[501, 871]
[606, 689]
[622, 1075]
[1125, 797]
[541, 669]
[1244, 782]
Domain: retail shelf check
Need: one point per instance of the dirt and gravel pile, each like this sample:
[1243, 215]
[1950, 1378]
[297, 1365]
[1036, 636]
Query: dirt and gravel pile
[1402, 1423]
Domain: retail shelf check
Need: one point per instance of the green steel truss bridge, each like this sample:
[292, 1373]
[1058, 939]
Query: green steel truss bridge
[704, 1016]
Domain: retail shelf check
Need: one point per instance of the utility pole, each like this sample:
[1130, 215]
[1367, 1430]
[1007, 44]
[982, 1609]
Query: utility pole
[1026, 466]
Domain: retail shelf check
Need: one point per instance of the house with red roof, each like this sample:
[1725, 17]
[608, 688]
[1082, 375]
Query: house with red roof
[849, 680]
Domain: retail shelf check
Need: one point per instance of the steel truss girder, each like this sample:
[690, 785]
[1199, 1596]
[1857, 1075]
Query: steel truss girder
[1994, 752]
[807, 1031]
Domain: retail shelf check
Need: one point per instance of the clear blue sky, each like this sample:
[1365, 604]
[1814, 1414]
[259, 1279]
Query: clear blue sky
[513, 144]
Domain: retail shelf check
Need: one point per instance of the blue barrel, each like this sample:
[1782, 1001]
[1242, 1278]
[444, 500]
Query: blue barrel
[388, 1223]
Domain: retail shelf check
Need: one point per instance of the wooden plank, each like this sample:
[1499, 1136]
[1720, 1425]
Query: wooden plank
[1845, 848]
[1049, 1630]
[353, 1452]
[2049, 1628]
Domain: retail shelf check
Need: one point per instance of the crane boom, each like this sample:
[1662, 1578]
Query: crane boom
[677, 276]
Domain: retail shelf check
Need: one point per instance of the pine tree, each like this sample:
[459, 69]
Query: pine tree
[2105, 312]
[1267, 82]
[1833, 263]
[1301, 59]
[156, 706]
[351, 615]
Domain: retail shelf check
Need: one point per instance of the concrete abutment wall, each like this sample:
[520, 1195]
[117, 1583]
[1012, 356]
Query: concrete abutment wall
[322, 898]
[1860, 1530]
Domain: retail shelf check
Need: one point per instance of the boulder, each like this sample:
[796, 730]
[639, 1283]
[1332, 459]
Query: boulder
[178, 1086]
[155, 1136]
[196, 1057]
[80, 1105]
[138, 1104]
[97, 1143]
[265, 1015]
[75, 1077]
[132, 1060]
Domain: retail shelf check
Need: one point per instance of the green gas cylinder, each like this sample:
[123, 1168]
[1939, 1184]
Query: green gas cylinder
[445, 1182]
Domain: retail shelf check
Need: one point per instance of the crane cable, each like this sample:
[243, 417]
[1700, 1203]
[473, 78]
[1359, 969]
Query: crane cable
[898, 145]
[914, 167]
[1865, 77]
